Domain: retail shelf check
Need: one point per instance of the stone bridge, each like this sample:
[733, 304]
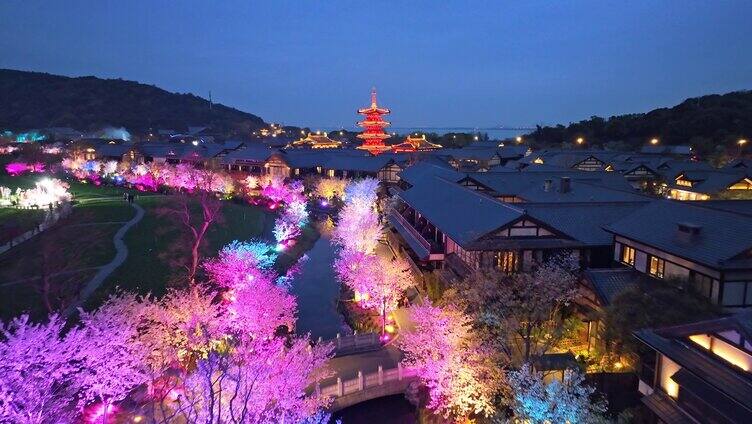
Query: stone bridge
[363, 369]
[383, 382]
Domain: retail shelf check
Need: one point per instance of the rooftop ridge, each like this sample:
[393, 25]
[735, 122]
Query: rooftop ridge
[481, 196]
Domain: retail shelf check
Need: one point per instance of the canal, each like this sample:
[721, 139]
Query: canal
[317, 291]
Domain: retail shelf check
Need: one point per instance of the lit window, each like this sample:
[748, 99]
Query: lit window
[684, 183]
[627, 255]
[507, 261]
[657, 266]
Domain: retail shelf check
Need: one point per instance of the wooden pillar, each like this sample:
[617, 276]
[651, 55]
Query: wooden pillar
[360, 380]
[381, 375]
[339, 387]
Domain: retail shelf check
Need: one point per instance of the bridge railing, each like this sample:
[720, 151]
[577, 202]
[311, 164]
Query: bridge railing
[356, 343]
[366, 381]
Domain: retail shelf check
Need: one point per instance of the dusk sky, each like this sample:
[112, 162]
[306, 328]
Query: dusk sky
[514, 63]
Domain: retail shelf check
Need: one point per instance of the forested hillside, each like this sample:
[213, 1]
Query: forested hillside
[706, 123]
[38, 100]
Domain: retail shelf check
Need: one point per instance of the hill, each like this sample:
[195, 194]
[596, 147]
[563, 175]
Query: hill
[706, 123]
[38, 100]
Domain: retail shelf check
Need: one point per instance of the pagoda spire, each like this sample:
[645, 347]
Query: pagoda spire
[373, 125]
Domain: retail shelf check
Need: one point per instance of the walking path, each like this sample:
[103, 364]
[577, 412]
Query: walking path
[106, 270]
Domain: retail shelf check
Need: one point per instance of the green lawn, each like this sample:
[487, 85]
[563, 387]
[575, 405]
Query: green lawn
[99, 212]
[17, 221]
[80, 241]
[148, 268]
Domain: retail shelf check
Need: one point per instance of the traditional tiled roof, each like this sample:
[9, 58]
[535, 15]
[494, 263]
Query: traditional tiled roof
[743, 207]
[113, 150]
[721, 242]
[462, 214]
[254, 153]
[583, 222]
[420, 170]
[667, 150]
[609, 282]
[585, 186]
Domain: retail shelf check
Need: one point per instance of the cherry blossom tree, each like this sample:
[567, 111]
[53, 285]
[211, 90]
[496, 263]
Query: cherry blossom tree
[16, 168]
[110, 167]
[260, 381]
[521, 313]
[111, 356]
[566, 401]
[237, 260]
[256, 306]
[196, 229]
[377, 282]
[38, 372]
[358, 227]
[460, 372]
[329, 188]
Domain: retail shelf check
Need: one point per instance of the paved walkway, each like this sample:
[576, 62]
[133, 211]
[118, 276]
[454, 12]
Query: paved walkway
[106, 270]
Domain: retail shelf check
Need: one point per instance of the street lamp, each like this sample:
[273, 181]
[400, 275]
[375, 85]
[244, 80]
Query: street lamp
[741, 144]
[580, 140]
[519, 139]
[654, 141]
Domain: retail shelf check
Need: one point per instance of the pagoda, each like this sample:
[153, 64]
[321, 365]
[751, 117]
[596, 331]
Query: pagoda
[373, 125]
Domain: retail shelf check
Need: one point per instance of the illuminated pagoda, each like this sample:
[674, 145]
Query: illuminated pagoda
[316, 141]
[415, 144]
[373, 125]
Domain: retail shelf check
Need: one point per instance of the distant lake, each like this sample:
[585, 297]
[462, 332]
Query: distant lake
[493, 133]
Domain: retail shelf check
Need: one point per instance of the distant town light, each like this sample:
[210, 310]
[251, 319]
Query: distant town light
[519, 139]
[475, 138]
[580, 140]
[654, 141]
[742, 142]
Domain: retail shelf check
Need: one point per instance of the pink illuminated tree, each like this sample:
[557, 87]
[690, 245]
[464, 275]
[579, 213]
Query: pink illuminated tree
[16, 168]
[285, 230]
[460, 372]
[358, 227]
[38, 372]
[377, 282]
[112, 358]
[239, 260]
[256, 306]
[260, 381]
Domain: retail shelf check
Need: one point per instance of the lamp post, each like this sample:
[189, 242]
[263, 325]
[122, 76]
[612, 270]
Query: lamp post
[741, 144]
[519, 139]
[580, 140]
[654, 141]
